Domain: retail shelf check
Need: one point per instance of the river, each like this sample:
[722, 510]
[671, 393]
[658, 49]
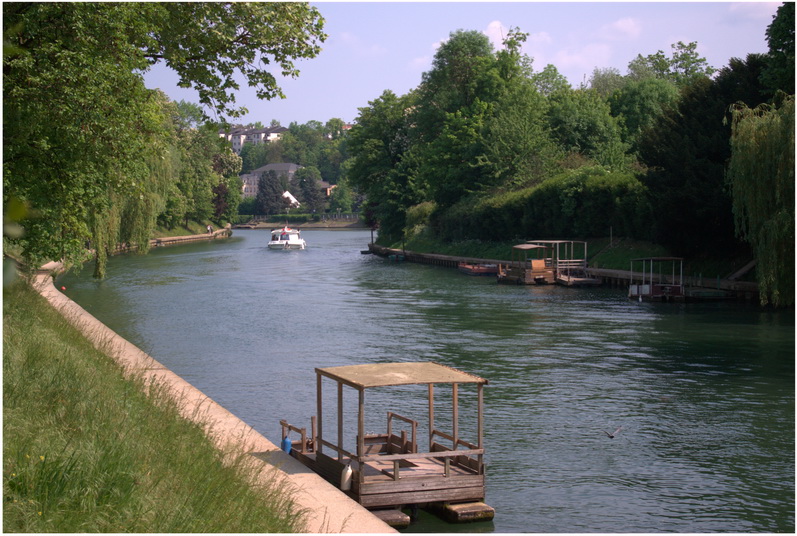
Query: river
[704, 393]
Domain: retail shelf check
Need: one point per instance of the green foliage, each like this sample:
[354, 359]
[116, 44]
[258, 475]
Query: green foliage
[684, 67]
[208, 43]
[761, 175]
[581, 122]
[518, 149]
[382, 167]
[269, 198]
[606, 81]
[308, 189]
[98, 155]
[686, 152]
[639, 103]
[255, 156]
[549, 81]
[577, 204]
[342, 198]
[85, 450]
[779, 72]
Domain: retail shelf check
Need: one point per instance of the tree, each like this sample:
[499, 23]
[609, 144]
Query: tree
[761, 176]
[80, 126]
[606, 81]
[639, 103]
[312, 197]
[581, 122]
[341, 198]
[254, 156]
[88, 136]
[269, 194]
[779, 72]
[549, 81]
[518, 148]
[683, 68]
[686, 152]
[208, 43]
[382, 167]
[463, 70]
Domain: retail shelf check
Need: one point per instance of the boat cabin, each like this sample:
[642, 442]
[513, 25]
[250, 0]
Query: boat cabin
[657, 279]
[286, 238]
[394, 467]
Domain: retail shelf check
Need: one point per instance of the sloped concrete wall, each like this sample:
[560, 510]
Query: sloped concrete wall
[327, 509]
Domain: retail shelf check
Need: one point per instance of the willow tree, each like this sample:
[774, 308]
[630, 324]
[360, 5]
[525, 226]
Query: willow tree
[81, 129]
[761, 177]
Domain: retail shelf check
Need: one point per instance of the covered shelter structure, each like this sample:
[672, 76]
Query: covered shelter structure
[528, 265]
[391, 470]
[657, 279]
[568, 259]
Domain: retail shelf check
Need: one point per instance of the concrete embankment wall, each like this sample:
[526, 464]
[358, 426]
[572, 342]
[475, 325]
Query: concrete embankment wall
[327, 508]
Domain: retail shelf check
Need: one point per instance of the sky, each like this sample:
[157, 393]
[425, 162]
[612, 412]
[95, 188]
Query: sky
[375, 46]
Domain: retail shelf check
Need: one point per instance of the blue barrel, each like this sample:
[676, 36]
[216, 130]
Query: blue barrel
[286, 444]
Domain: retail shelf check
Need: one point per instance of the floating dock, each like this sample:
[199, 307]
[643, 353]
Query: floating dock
[390, 471]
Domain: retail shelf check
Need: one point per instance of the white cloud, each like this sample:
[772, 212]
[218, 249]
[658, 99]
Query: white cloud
[422, 63]
[575, 63]
[621, 30]
[496, 32]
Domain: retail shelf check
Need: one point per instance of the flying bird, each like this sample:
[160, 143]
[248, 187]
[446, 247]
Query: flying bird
[614, 433]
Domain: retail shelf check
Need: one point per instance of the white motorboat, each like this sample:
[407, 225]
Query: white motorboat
[286, 238]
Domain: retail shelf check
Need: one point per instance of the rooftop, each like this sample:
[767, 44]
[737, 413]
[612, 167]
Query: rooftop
[386, 374]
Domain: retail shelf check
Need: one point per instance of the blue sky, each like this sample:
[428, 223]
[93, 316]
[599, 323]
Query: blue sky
[374, 46]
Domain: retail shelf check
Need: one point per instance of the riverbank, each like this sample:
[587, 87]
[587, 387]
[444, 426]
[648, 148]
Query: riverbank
[330, 224]
[612, 277]
[322, 507]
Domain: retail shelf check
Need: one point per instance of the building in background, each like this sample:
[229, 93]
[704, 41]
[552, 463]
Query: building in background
[239, 135]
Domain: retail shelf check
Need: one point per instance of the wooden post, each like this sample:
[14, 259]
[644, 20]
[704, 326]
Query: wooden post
[313, 432]
[455, 416]
[319, 414]
[361, 425]
[340, 421]
[480, 416]
[431, 415]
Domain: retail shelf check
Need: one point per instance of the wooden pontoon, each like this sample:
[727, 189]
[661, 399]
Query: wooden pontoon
[660, 279]
[528, 265]
[388, 470]
[568, 258]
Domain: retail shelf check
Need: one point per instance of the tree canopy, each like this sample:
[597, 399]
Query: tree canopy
[761, 177]
[97, 155]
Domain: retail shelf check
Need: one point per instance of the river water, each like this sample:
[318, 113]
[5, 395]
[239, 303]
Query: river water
[704, 393]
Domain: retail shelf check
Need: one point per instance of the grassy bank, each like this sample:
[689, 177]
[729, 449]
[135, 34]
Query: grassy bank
[85, 450]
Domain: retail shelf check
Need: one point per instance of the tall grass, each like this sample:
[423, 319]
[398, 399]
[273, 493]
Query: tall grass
[86, 450]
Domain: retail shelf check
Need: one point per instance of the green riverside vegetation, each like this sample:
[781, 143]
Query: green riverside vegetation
[86, 450]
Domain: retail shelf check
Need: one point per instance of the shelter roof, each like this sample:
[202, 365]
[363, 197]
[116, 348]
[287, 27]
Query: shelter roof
[528, 246]
[386, 374]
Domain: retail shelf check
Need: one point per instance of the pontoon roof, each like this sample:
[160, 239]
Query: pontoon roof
[528, 246]
[385, 374]
[556, 242]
